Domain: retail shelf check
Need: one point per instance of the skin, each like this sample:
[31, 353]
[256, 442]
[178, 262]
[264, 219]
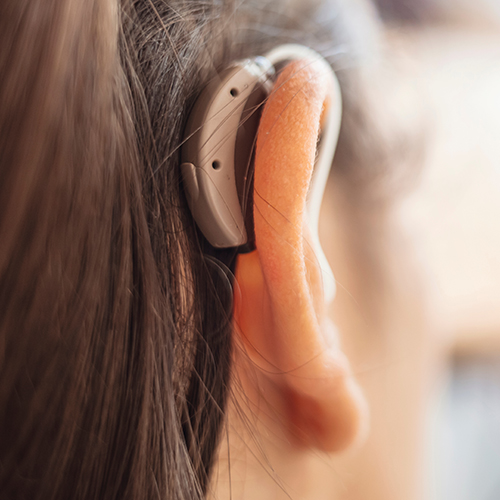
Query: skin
[280, 310]
[297, 423]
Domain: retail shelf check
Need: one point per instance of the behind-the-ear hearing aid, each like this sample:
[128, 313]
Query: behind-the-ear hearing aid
[217, 152]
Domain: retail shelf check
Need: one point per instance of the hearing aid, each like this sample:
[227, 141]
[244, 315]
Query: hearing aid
[219, 142]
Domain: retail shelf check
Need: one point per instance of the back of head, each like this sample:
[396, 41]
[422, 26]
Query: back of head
[116, 315]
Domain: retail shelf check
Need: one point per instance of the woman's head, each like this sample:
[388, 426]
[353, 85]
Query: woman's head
[116, 319]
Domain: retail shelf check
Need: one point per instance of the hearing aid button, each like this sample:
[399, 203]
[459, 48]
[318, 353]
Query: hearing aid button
[190, 181]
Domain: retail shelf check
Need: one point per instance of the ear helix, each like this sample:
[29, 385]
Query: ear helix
[281, 314]
[325, 153]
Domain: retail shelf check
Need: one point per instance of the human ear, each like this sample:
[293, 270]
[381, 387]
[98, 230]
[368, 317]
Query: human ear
[280, 310]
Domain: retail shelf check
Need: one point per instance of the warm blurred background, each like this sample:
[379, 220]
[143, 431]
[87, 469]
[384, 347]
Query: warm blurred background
[452, 48]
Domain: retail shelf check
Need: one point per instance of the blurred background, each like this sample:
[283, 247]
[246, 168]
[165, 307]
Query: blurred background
[452, 48]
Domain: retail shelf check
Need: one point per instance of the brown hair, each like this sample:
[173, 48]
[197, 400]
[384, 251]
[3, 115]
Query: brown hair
[116, 315]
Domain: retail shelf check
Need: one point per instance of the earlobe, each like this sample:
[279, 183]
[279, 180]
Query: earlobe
[280, 310]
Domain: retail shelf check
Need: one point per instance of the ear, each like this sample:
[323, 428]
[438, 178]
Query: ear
[280, 310]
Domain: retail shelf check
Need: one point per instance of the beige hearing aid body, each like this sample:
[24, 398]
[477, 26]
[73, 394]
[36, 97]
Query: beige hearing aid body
[217, 152]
